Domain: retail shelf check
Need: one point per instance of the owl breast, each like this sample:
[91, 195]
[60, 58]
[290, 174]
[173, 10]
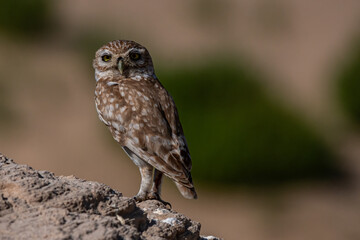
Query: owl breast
[110, 108]
[129, 109]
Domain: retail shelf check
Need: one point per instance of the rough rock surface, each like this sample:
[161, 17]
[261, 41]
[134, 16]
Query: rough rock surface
[39, 205]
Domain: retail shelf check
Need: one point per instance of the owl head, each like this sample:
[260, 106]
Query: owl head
[122, 58]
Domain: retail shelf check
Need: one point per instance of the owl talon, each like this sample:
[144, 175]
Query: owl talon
[139, 198]
[167, 204]
[155, 196]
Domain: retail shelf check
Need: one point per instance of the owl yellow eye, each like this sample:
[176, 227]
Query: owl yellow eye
[134, 56]
[106, 58]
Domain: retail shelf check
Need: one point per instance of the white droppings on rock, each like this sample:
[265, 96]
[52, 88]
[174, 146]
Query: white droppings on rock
[161, 211]
[209, 238]
[172, 221]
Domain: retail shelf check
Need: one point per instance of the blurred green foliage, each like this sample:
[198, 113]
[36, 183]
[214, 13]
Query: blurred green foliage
[89, 41]
[238, 134]
[349, 85]
[24, 16]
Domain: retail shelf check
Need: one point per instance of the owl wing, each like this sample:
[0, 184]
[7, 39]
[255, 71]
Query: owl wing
[161, 141]
[170, 113]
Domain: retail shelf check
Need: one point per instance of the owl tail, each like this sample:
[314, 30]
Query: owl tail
[187, 192]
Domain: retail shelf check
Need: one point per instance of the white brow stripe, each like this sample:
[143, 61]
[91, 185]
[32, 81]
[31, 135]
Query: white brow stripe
[141, 50]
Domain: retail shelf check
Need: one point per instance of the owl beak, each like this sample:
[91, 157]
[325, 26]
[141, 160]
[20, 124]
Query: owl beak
[120, 66]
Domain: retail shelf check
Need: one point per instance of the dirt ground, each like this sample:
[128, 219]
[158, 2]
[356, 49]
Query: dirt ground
[54, 125]
[72, 208]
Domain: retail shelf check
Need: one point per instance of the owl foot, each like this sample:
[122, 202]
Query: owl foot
[156, 196]
[151, 196]
[139, 198]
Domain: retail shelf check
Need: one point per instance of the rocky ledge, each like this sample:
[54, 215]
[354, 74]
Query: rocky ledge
[39, 205]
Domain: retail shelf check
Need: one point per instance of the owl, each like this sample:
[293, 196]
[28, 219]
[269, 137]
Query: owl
[142, 117]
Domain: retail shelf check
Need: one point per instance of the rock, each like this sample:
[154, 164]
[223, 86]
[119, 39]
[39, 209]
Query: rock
[39, 205]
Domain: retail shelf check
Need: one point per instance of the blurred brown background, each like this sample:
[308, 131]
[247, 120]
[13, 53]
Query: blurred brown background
[289, 170]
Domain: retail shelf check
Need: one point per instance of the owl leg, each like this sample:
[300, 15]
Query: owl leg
[156, 188]
[146, 176]
[146, 171]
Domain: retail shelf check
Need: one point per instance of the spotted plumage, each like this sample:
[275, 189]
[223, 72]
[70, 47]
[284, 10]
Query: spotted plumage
[142, 117]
